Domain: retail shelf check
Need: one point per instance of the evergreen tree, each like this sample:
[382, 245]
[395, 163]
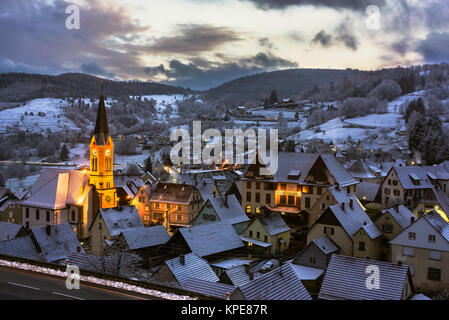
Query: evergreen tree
[64, 155]
[148, 165]
[273, 97]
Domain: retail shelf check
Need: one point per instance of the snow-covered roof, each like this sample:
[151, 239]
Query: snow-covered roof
[9, 230]
[367, 190]
[120, 219]
[273, 223]
[211, 238]
[402, 215]
[20, 247]
[146, 237]
[307, 273]
[228, 209]
[372, 231]
[193, 267]
[345, 279]
[326, 245]
[59, 243]
[208, 288]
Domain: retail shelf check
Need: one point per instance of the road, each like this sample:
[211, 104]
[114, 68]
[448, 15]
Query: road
[21, 285]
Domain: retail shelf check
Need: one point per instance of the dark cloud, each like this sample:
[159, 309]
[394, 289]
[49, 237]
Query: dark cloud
[435, 48]
[193, 39]
[344, 34]
[266, 42]
[323, 38]
[214, 74]
[336, 4]
[95, 69]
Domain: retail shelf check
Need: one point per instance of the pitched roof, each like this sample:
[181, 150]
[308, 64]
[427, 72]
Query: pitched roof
[146, 237]
[120, 219]
[9, 230]
[326, 245]
[173, 193]
[350, 219]
[303, 162]
[238, 275]
[367, 190]
[193, 267]
[228, 209]
[359, 169]
[282, 283]
[208, 288]
[372, 231]
[273, 223]
[59, 244]
[55, 188]
[345, 279]
[407, 175]
[101, 131]
[307, 273]
[402, 215]
[21, 247]
[438, 223]
[339, 193]
[211, 238]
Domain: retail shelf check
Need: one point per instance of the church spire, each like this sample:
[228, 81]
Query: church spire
[101, 131]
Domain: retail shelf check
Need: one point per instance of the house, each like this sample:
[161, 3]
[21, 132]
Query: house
[223, 208]
[393, 221]
[333, 195]
[9, 206]
[340, 222]
[433, 199]
[142, 203]
[127, 188]
[299, 182]
[424, 246]
[407, 185]
[144, 238]
[206, 240]
[110, 223]
[317, 253]
[183, 267]
[60, 196]
[225, 187]
[282, 283]
[267, 234]
[346, 278]
[175, 205]
[148, 178]
[10, 231]
[368, 242]
[360, 170]
[55, 242]
[158, 168]
[233, 271]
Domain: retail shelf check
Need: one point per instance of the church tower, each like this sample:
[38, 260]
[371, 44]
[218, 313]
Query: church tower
[101, 159]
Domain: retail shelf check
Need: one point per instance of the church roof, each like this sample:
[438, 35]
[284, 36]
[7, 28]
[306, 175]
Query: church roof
[101, 131]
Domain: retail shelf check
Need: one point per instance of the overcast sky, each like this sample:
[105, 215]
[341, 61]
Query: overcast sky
[203, 43]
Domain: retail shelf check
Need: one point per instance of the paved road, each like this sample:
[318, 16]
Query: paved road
[18, 285]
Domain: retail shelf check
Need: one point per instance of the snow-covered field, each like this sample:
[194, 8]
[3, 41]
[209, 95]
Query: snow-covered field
[386, 120]
[53, 118]
[162, 101]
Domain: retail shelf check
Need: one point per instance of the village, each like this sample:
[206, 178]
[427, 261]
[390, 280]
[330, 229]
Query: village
[309, 230]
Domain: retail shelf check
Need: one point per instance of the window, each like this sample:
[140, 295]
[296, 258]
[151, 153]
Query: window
[434, 274]
[248, 184]
[27, 212]
[396, 192]
[48, 216]
[434, 255]
[319, 190]
[291, 200]
[147, 208]
[156, 205]
[283, 186]
[250, 233]
[305, 189]
[268, 198]
[248, 196]
[348, 190]
[283, 199]
[361, 246]
[387, 228]
[329, 231]
[265, 239]
[248, 209]
[389, 182]
[179, 208]
[323, 206]
[179, 217]
[395, 182]
[312, 260]
[431, 238]
[412, 236]
[168, 206]
[257, 197]
[410, 252]
[141, 199]
[37, 214]
[73, 215]
[258, 235]
[307, 202]
[257, 209]
[387, 200]
[258, 185]
[146, 217]
[387, 190]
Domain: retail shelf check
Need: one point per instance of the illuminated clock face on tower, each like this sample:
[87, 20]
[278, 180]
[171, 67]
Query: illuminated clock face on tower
[108, 198]
[108, 153]
[94, 153]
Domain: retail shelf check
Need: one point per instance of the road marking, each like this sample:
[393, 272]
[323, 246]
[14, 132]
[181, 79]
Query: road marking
[67, 296]
[24, 286]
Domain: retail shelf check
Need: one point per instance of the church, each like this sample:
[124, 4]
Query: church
[75, 196]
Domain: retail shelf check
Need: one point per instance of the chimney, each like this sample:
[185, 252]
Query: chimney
[412, 219]
[182, 260]
[48, 229]
[337, 186]
[343, 206]
[396, 207]
[251, 275]
[226, 201]
[78, 249]
[351, 203]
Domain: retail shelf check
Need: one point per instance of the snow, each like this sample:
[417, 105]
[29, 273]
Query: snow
[53, 119]
[386, 120]
[95, 280]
